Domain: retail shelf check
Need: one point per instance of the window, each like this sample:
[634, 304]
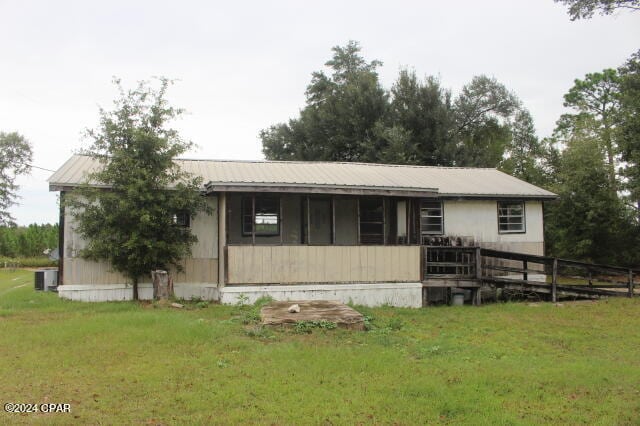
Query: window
[371, 221]
[431, 218]
[182, 219]
[265, 218]
[511, 217]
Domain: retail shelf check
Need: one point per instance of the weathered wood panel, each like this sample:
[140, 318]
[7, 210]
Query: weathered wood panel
[323, 264]
[81, 271]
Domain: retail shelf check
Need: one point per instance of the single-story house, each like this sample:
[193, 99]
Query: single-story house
[319, 230]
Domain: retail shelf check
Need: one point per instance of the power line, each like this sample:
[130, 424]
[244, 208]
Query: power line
[37, 167]
[41, 168]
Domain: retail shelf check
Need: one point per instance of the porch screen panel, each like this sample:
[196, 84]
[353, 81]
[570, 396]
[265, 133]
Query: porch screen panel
[320, 215]
[371, 221]
[346, 221]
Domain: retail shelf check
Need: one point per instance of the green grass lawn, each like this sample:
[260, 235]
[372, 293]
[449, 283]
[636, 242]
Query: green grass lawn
[129, 363]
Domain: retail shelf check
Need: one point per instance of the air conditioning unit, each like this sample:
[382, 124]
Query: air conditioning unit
[46, 280]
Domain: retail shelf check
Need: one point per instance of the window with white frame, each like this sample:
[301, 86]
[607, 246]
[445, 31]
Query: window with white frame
[431, 218]
[511, 217]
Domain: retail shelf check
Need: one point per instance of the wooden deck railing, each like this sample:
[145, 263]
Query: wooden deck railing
[444, 261]
[502, 268]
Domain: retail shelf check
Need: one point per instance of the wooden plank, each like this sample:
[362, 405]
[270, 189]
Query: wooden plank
[379, 264]
[371, 267]
[540, 287]
[549, 260]
[345, 263]
[438, 282]
[321, 264]
[268, 267]
[276, 313]
[395, 263]
[232, 267]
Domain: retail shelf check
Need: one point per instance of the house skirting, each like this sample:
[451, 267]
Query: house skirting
[407, 295]
[115, 292]
[369, 294]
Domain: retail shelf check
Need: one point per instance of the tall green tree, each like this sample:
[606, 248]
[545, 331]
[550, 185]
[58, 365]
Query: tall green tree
[481, 129]
[584, 9]
[526, 156]
[348, 116]
[423, 112]
[595, 104]
[28, 241]
[589, 221]
[341, 114]
[15, 159]
[131, 223]
[629, 126]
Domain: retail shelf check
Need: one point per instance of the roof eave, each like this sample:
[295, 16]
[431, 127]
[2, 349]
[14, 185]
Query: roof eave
[500, 196]
[319, 189]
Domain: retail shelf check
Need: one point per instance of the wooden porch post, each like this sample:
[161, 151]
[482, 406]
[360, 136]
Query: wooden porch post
[253, 220]
[333, 220]
[222, 237]
[308, 221]
[61, 242]
[477, 295]
[554, 280]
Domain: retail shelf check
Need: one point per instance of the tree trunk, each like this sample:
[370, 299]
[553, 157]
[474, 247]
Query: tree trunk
[162, 285]
[135, 289]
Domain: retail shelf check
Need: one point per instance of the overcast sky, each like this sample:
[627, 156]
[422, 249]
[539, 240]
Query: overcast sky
[243, 66]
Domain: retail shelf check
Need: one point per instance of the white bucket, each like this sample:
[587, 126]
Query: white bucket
[457, 299]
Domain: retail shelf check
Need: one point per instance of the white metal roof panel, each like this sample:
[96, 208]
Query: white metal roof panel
[447, 181]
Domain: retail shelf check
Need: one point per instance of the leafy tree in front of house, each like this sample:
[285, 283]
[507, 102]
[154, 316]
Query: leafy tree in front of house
[131, 220]
[15, 159]
[584, 9]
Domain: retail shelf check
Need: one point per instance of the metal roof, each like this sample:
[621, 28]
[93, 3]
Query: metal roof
[331, 177]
